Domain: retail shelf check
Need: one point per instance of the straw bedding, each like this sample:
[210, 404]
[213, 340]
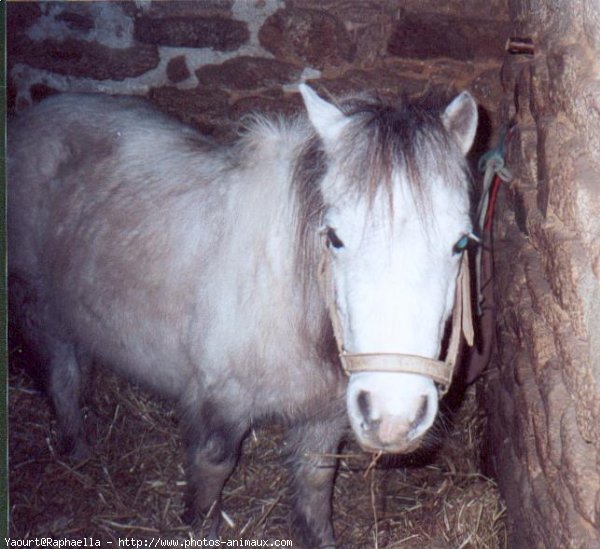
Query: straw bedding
[134, 483]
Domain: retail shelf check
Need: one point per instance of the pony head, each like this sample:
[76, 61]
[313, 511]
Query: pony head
[396, 210]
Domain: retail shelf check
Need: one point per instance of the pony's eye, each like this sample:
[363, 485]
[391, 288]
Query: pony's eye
[334, 239]
[461, 245]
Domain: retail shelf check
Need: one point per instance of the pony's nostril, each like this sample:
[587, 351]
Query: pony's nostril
[364, 406]
[421, 413]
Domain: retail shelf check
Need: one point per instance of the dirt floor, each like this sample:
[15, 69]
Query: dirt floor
[133, 486]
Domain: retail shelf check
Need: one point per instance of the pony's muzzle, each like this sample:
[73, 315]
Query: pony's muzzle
[391, 412]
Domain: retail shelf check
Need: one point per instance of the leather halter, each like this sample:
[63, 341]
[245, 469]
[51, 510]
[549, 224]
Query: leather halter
[440, 371]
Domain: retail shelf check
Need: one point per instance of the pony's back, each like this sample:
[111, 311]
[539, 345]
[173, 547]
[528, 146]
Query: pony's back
[71, 144]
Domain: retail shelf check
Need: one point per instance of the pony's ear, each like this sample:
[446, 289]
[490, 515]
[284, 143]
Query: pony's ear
[460, 120]
[327, 119]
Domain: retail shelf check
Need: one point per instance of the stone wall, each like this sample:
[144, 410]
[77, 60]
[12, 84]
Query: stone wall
[543, 394]
[212, 61]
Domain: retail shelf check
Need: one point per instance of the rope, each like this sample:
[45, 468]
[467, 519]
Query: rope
[495, 172]
[494, 168]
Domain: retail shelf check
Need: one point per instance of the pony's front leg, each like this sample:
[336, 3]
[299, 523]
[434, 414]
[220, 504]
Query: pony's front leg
[212, 453]
[313, 465]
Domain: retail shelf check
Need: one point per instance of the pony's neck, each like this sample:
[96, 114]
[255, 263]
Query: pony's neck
[283, 206]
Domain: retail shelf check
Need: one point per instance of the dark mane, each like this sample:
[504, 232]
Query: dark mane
[309, 170]
[384, 138]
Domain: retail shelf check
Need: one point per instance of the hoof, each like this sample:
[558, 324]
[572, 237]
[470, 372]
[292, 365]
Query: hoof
[77, 449]
[212, 521]
[189, 517]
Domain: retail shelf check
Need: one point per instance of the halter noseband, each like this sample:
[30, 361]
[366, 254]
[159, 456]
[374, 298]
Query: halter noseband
[440, 371]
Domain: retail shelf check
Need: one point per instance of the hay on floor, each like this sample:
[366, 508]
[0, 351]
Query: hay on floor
[134, 484]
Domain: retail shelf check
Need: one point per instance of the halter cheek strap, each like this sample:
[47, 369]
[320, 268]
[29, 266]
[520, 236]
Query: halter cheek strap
[440, 371]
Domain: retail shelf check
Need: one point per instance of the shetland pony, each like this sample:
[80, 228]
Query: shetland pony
[197, 270]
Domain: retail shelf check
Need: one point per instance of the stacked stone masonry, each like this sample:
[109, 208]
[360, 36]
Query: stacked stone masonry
[211, 62]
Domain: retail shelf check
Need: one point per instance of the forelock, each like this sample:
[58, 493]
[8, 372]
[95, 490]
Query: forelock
[408, 138]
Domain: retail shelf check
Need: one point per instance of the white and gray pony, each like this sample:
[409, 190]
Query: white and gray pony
[222, 276]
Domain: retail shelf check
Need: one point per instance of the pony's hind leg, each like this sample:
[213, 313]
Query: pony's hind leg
[65, 384]
[313, 465]
[51, 359]
[213, 449]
